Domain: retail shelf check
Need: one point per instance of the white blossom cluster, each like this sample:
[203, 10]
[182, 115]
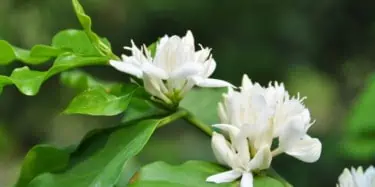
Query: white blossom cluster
[174, 68]
[357, 177]
[251, 120]
[257, 122]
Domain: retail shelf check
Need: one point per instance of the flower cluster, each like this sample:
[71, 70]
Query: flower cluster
[357, 178]
[252, 119]
[174, 68]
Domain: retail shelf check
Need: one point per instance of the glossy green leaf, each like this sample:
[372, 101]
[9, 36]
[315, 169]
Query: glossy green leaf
[7, 54]
[198, 101]
[99, 160]
[157, 184]
[189, 174]
[29, 81]
[41, 159]
[37, 55]
[140, 108]
[358, 139]
[99, 102]
[101, 45]
[39, 51]
[76, 41]
[81, 81]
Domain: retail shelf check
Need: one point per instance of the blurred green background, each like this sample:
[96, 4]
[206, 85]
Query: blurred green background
[324, 49]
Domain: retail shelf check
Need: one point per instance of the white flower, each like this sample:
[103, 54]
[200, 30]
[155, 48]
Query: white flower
[237, 156]
[252, 118]
[173, 70]
[357, 178]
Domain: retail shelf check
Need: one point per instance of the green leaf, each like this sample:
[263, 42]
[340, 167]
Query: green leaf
[152, 48]
[100, 159]
[189, 174]
[99, 102]
[7, 54]
[81, 81]
[29, 81]
[45, 51]
[41, 159]
[198, 101]
[38, 54]
[83, 18]
[101, 45]
[76, 41]
[358, 139]
[140, 108]
[157, 184]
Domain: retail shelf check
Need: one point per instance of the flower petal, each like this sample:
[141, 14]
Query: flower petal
[222, 113]
[187, 87]
[239, 143]
[221, 149]
[163, 40]
[211, 66]
[233, 131]
[154, 86]
[262, 159]
[370, 175]
[247, 180]
[127, 68]
[227, 176]
[346, 179]
[307, 149]
[154, 71]
[203, 55]
[187, 70]
[293, 131]
[188, 39]
[246, 82]
[203, 82]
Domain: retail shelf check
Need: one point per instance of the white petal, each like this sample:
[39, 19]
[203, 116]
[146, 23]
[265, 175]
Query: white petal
[209, 66]
[233, 131]
[346, 179]
[187, 87]
[165, 56]
[203, 82]
[227, 176]
[247, 180]
[370, 175]
[239, 143]
[154, 86]
[221, 149]
[307, 149]
[359, 177]
[162, 42]
[222, 113]
[262, 159]
[264, 135]
[293, 131]
[154, 71]
[259, 101]
[202, 55]
[127, 68]
[187, 70]
[242, 146]
[306, 118]
[246, 82]
[188, 39]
